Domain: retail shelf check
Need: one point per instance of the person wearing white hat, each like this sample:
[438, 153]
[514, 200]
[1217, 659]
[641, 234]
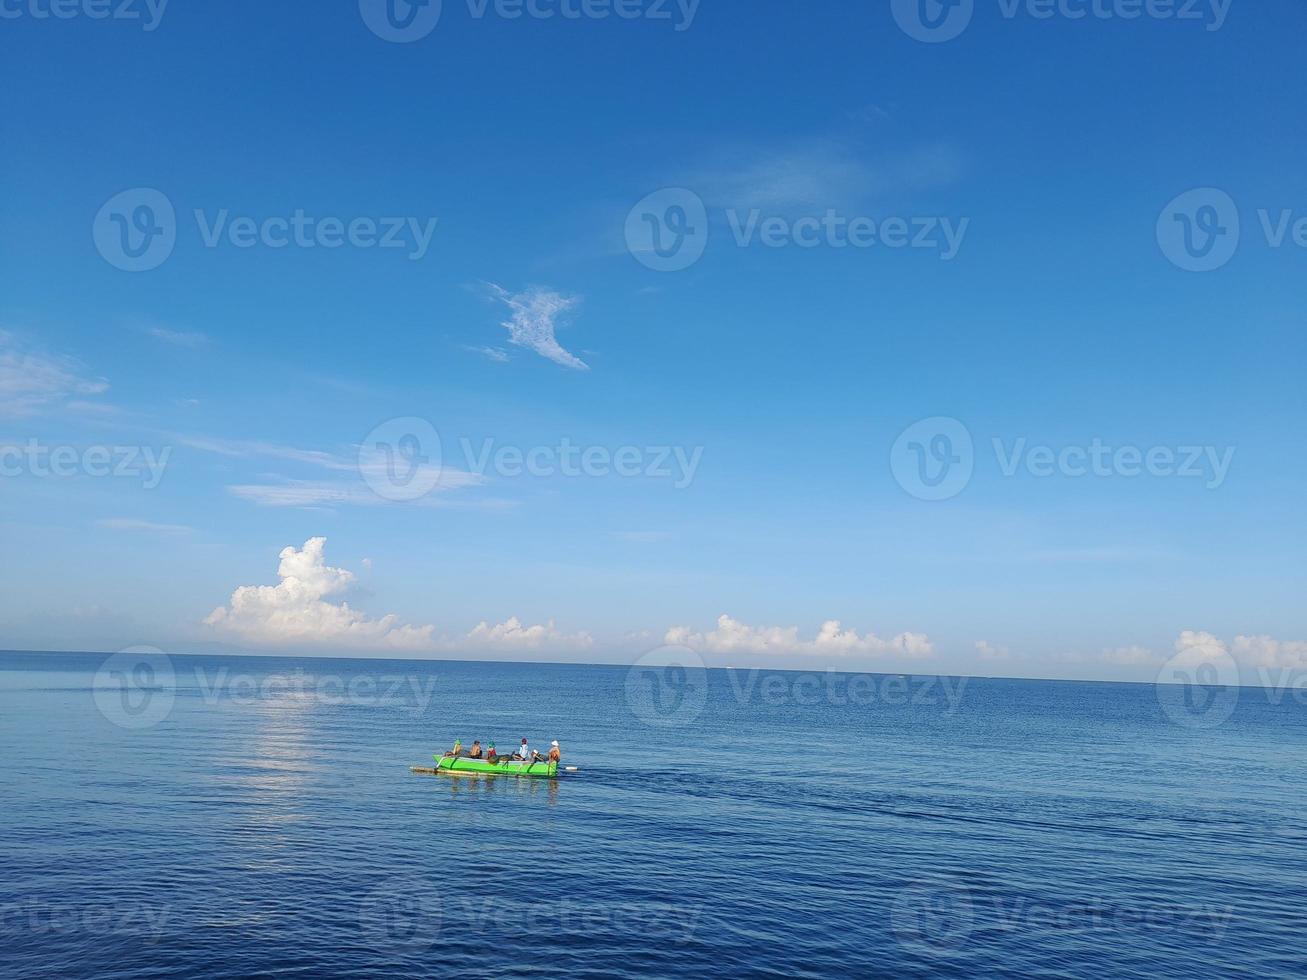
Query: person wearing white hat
[554, 754]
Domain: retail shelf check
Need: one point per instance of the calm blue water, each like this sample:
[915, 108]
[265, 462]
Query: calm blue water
[263, 820]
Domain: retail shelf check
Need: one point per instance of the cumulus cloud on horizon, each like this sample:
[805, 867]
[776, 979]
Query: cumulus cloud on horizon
[308, 607]
[992, 651]
[733, 636]
[535, 314]
[512, 635]
[1192, 648]
[298, 609]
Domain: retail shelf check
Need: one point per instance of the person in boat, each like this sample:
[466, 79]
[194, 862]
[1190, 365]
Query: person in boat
[524, 752]
[554, 753]
[476, 749]
[457, 750]
[491, 754]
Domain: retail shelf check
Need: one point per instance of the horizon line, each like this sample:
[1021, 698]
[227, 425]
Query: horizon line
[588, 663]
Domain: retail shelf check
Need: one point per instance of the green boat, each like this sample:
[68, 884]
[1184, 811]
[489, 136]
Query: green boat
[503, 766]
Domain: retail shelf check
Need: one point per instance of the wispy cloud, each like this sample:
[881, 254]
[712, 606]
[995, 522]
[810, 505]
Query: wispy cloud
[1100, 554]
[178, 338]
[497, 354]
[641, 537]
[132, 524]
[818, 173]
[251, 448]
[321, 493]
[31, 380]
[354, 475]
[536, 313]
[101, 409]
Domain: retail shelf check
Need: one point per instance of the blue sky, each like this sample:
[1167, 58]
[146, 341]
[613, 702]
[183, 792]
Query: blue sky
[1053, 148]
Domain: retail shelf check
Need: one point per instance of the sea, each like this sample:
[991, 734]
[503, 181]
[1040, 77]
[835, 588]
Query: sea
[204, 816]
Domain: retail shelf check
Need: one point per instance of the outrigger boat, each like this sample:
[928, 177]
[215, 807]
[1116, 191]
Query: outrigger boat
[503, 766]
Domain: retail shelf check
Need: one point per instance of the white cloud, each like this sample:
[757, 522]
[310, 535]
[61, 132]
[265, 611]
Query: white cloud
[1132, 656]
[990, 651]
[496, 354]
[178, 338]
[1193, 648]
[819, 173]
[321, 493]
[535, 315]
[368, 467]
[248, 448]
[100, 409]
[132, 524]
[733, 636]
[512, 635]
[1266, 651]
[641, 537]
[31, 381]
[297, 610]
[307, 607]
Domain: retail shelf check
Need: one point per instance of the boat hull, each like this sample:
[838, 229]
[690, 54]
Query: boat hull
[508, 767]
